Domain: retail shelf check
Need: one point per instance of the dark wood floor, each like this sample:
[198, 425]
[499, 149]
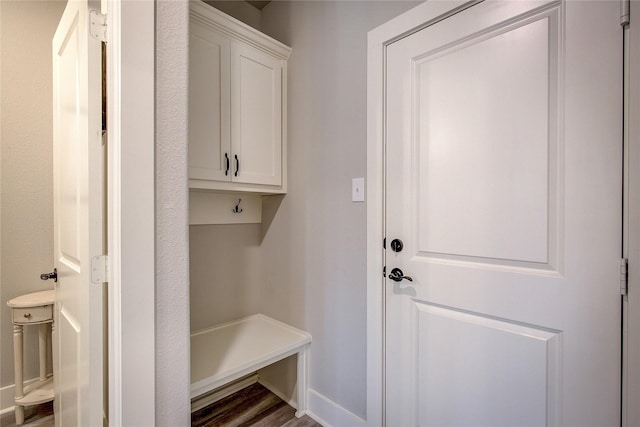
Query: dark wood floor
[39, 415]
[252, 406]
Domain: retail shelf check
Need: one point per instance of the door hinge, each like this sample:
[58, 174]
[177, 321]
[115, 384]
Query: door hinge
[624, 276]
[103, 137]
[98, 25]
[625, 12]
[100, 269]
[384, 271]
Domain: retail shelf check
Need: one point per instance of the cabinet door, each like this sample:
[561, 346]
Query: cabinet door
[256, 114]
[209, 100]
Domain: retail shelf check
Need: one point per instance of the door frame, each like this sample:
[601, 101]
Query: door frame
[379, 38]
[631, 224]
[131, 211]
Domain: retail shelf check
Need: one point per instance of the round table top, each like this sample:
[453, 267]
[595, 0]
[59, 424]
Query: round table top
[35, 299]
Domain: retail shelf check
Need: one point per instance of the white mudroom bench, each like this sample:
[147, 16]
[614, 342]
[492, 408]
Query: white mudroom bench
[230, 351]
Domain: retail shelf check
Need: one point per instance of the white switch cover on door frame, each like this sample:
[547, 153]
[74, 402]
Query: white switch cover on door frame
[357, 190]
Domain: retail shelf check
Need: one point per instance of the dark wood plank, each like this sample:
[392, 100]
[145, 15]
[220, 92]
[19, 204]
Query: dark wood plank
[280, 416]
[301, 422]
[38, 415]
[253, 406]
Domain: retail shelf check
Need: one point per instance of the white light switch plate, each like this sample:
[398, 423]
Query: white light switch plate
[357, 190]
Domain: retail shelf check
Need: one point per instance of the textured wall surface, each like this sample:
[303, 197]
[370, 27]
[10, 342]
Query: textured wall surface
[172, 275]
[26, 163]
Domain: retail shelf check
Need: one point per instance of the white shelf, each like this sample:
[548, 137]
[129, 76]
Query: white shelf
[224, 353]
[37, 392]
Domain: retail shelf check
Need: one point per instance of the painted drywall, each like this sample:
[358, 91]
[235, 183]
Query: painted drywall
[314, 253]
[306, 264]
[240, 10]
[172, 256]
[26, 164]
[225, 266]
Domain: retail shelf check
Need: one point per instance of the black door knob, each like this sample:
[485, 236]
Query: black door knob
[397, 275]
[53, 275]
[396, 245]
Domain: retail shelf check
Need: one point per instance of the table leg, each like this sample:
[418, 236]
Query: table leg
[18, 370]
[42, 350]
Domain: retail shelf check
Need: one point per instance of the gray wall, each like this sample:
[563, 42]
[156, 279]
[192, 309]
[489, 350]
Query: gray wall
[26, 163]
[306, 264]
[225, 273]
[240, 10]
[317, 241]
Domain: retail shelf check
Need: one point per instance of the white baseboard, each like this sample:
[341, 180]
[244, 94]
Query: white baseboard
[320, 408]
[227, 390]
[330, 414]
[7, 395]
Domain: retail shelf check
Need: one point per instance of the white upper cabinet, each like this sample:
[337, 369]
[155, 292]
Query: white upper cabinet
[209, 104]
[237, 105]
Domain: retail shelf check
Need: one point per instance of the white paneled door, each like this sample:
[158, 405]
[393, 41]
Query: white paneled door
[503, 176]
[78, 219]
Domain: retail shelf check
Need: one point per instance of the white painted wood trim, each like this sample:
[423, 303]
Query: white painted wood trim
[631, 239]
[415, 19]
[375, 234]
[328, 413]
[302, 378]
[131, 211]
[203, 184]
[114, 310]
[206, 207]
[210, 398]
[219, 394]
[212, 371]
[378, 39]
[283, 117]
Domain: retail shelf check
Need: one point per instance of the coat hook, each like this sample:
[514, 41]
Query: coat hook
[237, 209]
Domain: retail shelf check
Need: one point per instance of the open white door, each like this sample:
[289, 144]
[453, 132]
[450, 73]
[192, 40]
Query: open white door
[503, 183]
[78, 219]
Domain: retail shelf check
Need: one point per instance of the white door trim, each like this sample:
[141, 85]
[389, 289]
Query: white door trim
[131, 211]
[378, 39]
[631, 306]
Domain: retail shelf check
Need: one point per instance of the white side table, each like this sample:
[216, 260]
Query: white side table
[31, 309]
